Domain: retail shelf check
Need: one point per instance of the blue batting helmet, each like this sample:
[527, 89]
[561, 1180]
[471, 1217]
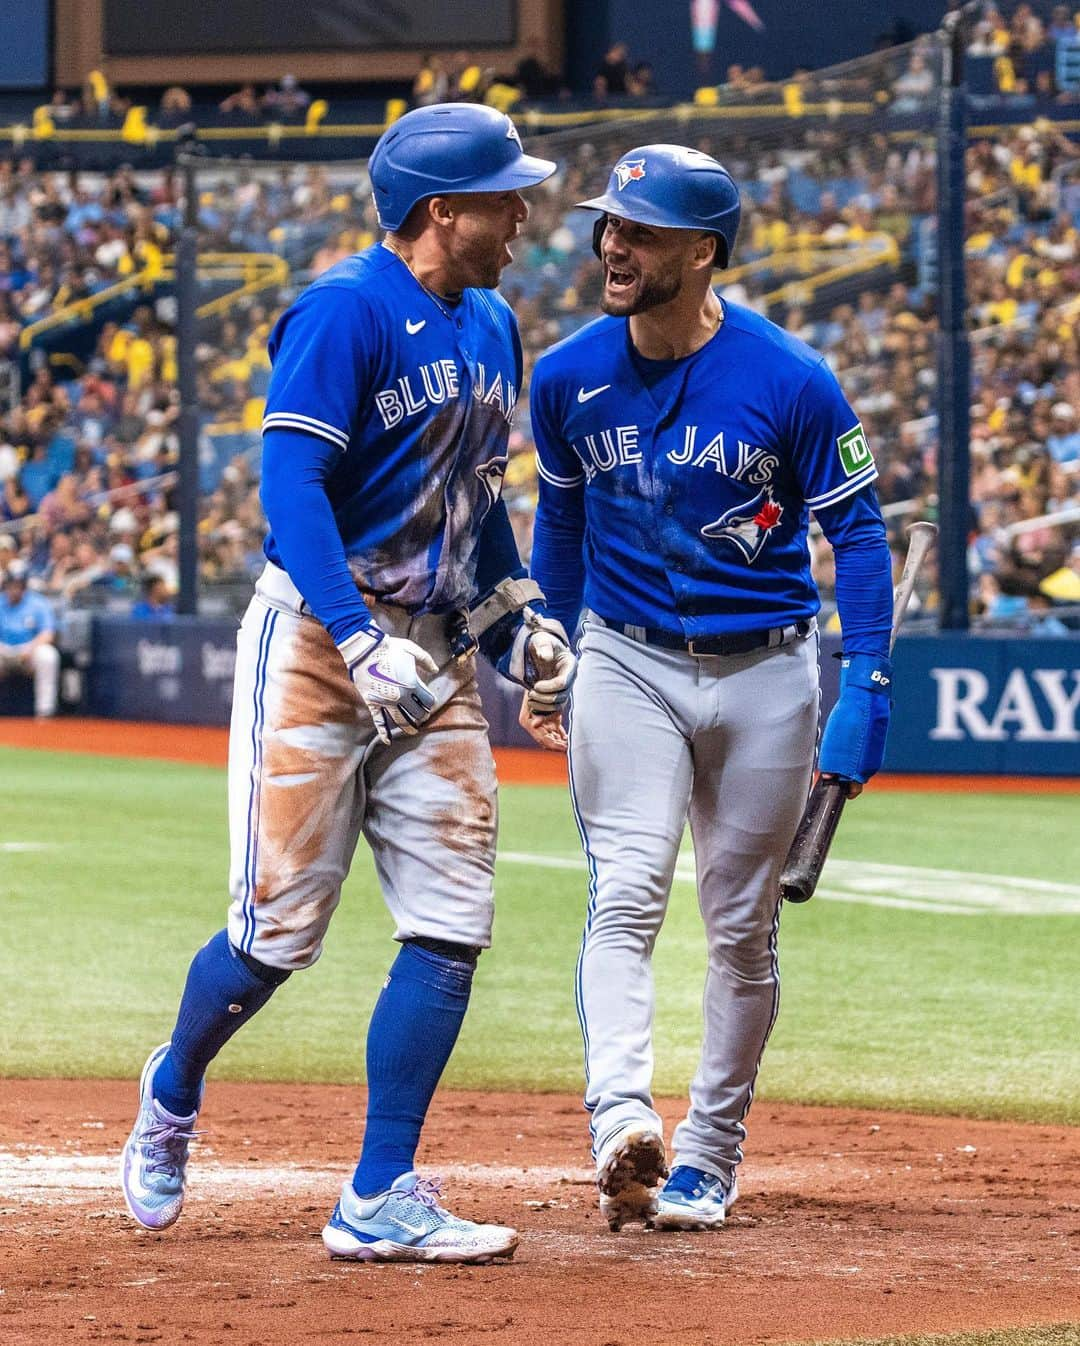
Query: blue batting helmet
[450, 147]
[671, 187]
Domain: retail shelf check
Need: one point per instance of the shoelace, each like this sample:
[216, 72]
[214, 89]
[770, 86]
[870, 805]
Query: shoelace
[165, 1147]
[428, 1191]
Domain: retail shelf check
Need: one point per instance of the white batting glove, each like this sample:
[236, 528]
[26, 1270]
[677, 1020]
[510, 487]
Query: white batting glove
[542, 661]
[386, 673]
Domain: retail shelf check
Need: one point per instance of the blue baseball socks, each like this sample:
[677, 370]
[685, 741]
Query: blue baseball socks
[413, 1029]
[222, 992]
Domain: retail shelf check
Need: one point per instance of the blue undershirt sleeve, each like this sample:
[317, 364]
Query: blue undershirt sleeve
[295, 467]
[856, 531]
[558, 561]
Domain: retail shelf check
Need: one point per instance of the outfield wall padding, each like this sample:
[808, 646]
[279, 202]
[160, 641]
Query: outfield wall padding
[963, 703]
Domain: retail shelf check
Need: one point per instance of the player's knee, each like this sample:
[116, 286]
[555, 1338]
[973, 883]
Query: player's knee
[46, 656]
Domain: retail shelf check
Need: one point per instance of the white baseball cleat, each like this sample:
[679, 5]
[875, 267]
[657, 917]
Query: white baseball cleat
[154, 1163]
[407, 1224]
[694, 1199]
[628, 1173]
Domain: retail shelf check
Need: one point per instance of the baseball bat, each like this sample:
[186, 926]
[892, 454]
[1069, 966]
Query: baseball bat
[808, 852]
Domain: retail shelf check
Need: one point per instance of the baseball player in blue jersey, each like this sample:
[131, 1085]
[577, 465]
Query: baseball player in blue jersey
[681, 443]
[355, 706]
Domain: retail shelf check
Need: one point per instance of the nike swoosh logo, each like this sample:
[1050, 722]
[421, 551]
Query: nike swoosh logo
[412, 1228]
[583, 396]
[376, 672]
[413, 327]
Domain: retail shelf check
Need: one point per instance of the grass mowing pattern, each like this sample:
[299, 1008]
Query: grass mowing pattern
[882, 1007]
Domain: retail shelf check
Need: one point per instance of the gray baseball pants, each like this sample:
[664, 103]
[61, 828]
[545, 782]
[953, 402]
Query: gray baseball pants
[658, 737]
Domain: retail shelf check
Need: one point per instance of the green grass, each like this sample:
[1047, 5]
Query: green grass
[883, 1007]
[1059, 1334]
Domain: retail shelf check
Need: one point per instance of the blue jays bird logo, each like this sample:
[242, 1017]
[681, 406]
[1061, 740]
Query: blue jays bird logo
[747, 526]
[630, 170]
[491, 474]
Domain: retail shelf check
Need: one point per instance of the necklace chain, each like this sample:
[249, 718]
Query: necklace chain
[435, 298]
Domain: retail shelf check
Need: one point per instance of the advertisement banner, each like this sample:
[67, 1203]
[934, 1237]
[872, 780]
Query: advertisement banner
[963, 703]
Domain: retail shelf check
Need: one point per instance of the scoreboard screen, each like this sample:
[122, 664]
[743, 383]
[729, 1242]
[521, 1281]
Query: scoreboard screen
[190, 27]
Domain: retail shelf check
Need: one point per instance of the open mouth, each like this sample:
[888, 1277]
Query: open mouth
[617, 280]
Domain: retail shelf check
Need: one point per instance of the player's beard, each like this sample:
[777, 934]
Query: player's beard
[482, 260]
[649, 292]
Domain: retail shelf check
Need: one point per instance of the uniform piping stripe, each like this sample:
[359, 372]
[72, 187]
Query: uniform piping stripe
[292, 420]
[553, 480]
[590, 912]
[251, 854]
[775, 962]
[839, 493]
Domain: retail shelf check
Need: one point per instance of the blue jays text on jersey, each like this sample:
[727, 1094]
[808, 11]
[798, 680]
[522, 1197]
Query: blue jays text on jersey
[417, 396]
[695, 477]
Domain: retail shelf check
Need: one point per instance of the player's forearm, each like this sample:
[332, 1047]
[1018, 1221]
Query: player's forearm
[864, 594]
[306, 533]
[558, 564]
[856, 532]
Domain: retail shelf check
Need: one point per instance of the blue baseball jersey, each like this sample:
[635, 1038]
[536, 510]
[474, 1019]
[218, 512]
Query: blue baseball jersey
[414, 396]
[692, 480]
[20, 622]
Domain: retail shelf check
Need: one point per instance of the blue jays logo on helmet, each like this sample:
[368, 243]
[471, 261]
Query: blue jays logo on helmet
[747, 526]
[629, 170]
[675, 187]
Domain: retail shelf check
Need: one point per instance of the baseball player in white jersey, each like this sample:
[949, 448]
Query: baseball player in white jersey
[681, 443]
[355, 706]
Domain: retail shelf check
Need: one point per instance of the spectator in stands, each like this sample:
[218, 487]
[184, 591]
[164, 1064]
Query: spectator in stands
[465, 77]
[1064, 443]
[28, 638]
[641, 81]
[155, 604]
[286, 100]
[532, 77]
[175, 107]
[1042, 621]
[614, 69]
[431, 84]
[1026, 28]
[242, 106]
[915, 85]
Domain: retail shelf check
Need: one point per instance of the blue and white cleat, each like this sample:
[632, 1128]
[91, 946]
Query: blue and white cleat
[629, 1169]
[407, 1224]
[694, 1199]
[154, 1161]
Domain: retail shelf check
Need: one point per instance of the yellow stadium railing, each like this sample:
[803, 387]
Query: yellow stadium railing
[254, 271]
[818, 262]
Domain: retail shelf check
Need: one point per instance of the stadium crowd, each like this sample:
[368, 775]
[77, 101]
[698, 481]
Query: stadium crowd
[87, 463]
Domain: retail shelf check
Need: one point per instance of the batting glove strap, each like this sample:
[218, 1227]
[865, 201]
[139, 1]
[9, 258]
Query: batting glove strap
[853, 744]
[385, 670]
[541, 660]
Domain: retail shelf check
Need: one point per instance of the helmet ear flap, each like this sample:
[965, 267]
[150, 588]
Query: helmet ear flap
[598, 233]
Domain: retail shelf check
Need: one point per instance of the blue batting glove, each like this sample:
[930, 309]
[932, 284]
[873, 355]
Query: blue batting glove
[853, 744]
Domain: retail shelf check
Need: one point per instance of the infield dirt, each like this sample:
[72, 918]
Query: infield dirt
[851, 1224]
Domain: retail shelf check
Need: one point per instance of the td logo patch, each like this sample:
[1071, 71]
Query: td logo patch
[854, 451]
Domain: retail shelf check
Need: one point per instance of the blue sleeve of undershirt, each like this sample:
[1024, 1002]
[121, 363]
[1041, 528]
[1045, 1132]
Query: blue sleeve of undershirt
[295, 467]
[856, 531]
[558, 560]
